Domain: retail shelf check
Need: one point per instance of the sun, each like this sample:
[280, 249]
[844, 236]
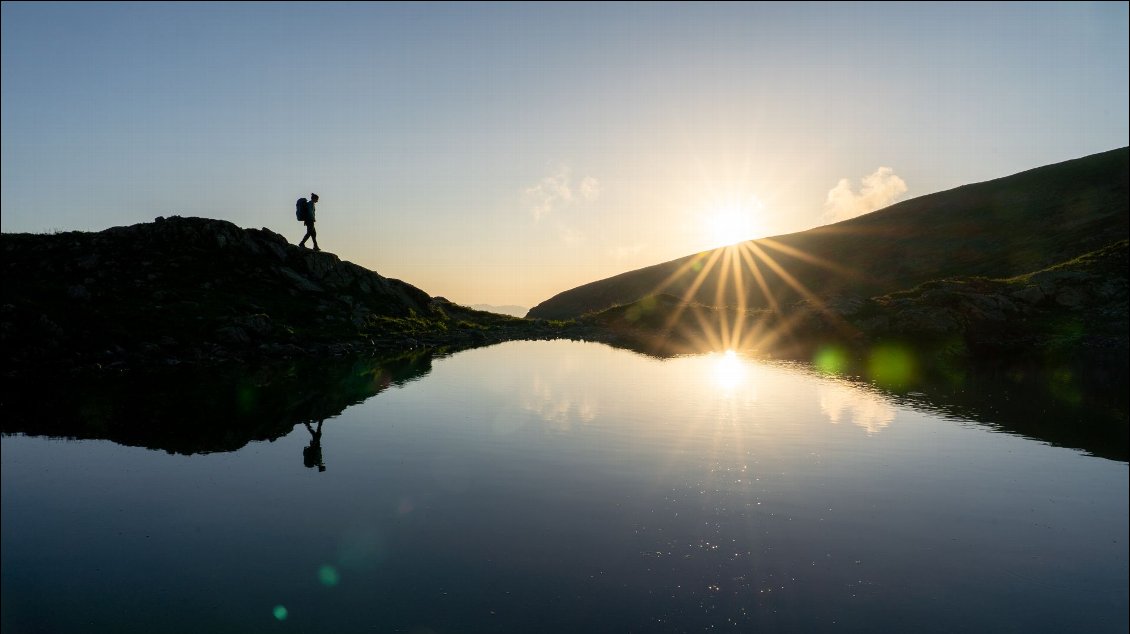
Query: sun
[729, 224]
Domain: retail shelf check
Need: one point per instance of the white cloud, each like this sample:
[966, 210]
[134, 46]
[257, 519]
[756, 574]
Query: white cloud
[590, 188]
[876, 191]
[557, 191]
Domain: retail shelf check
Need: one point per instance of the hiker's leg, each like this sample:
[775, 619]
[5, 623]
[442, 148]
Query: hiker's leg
[314, 236]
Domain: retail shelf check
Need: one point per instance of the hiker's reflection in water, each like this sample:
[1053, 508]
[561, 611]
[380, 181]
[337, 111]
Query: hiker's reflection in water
[312, 455]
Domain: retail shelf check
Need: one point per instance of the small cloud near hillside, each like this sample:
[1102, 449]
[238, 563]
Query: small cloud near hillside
[876, 191]
[558, 190]
[622, 252]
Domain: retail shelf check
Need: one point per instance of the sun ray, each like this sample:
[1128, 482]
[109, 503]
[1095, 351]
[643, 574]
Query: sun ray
[784, 328]
[693, 288]
[837, 321]
[719, 296]
[739, 287]
[708, 336]
[811, 259]
[682, 270]
[751, 263]
[748, 258]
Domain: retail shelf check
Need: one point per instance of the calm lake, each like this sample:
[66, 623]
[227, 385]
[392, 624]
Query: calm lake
[561, 487]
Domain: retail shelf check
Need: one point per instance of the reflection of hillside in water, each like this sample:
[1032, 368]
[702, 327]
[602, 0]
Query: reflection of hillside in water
[1081, 406]
[1079, 403]
[191, 412]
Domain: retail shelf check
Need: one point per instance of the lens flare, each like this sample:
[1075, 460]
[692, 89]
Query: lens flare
[892, 366]
[328, 576]
[831, 360]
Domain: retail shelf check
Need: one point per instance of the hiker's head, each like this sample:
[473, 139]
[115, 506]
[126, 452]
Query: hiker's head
[313, 198]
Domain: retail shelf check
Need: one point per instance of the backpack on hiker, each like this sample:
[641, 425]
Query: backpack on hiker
[302, 210]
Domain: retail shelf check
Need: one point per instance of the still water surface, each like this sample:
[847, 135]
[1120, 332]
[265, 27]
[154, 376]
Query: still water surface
[572, 487]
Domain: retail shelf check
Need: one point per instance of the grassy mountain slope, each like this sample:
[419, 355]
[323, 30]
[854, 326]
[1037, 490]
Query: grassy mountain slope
[1076, 308]
[1000, 228]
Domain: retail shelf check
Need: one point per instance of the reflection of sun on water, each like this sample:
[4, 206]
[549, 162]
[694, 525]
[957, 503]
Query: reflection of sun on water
[729, 372]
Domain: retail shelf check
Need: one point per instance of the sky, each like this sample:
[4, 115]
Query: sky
[502, 153]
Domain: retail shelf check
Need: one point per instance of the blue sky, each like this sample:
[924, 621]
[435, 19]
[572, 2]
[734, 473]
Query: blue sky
[500, 153]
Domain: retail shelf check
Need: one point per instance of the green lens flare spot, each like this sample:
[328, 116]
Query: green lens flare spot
[892, 367]
[280, 612]
[831, 360]
[329, 576]
[1063, 386]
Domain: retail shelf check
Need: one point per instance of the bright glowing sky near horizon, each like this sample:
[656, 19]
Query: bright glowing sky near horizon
[502, 153]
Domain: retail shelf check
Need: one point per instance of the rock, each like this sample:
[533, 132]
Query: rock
[301, 282]
[233, 334]
[985, 307]
[89, 262]
[927, 321]
[875, 325]
[278, 250]
[260, 324]
[1031, 294]
[1070, 297]
[847, 305]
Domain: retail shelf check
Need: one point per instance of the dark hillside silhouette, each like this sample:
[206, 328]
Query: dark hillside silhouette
[198, 290]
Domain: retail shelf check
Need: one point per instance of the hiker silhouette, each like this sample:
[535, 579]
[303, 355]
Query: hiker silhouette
[312, 454]
[311, 233]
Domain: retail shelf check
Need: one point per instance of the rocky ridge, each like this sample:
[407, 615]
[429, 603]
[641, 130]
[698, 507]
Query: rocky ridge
[198, 290]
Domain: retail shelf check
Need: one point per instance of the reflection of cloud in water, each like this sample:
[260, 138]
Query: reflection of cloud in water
[561, 410]
[866, 410]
